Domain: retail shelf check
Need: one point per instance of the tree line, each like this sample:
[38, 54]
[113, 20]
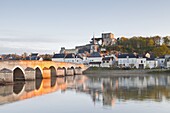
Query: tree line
[157, 45]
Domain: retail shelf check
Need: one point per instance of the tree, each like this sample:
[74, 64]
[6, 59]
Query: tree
[166, 40]
[162, 50]
[150, 42]
[157, 40]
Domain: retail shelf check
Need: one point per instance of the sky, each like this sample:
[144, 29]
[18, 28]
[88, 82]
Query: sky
[45, 26]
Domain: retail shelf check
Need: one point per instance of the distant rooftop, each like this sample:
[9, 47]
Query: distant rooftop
[127, 55]
[58, 56]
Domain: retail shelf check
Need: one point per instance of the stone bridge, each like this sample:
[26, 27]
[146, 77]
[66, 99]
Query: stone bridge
[11, 71]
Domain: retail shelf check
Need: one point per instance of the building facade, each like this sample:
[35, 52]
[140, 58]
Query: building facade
[127, 60]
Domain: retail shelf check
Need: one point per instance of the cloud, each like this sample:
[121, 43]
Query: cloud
[22, 36]
[29, 39]
[19, 42]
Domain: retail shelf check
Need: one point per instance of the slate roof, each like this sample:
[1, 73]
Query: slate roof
[161, 57]
[59, 56]
[94, 62]
[78, 56]
[83, 50]
[107, 58]
[70, 55]
[95, 54]
[34, 54]
[150, 59]
[125, 56]
[140, 56]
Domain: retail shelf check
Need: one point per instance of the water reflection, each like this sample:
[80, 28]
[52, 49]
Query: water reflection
[29, 89]
[145, 88]
[103, 90]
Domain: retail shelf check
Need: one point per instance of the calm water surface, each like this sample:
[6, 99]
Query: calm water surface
[83, 94]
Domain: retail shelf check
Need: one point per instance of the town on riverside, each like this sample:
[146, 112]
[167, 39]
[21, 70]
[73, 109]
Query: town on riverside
[104, 52]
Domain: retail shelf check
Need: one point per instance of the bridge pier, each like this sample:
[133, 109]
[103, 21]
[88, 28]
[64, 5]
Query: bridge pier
[46, 83]
[29, 74]
[29, 86]
[6, 76]
[70, 71]
[7, 90]
[78, 71]
[46, 73]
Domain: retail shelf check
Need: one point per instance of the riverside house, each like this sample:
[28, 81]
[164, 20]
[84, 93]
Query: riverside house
[67, 58]
[167, 61]
[161, 62]
[95, 59]
[58, 57]
[109, 61]
[151, 63]
[141, 63]
[127, 60]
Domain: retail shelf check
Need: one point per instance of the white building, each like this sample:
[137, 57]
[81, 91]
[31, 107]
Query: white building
[161, 62]
[67, 58]
[58, 57]
[167, 61]
[70, 58]
[141, 63]
[94, 60]
[151, 63]
[109, 61]
[127, 60]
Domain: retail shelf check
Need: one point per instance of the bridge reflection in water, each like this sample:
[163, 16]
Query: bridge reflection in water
[104, 90]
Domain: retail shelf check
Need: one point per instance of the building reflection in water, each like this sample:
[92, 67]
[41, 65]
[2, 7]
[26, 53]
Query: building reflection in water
[134, 88]
[106, 90]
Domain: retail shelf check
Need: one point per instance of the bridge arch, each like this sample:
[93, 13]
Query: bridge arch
[38, 84]
[73, 69]
[65, 70]
[18, 89]
[53, 81]
[18, 74]
[38, 73]
[53, 71]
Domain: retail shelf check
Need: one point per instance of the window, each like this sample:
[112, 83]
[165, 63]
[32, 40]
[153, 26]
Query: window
[141, 61]
[107, 61]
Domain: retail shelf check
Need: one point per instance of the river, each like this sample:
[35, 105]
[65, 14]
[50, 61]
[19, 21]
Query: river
[88, 94]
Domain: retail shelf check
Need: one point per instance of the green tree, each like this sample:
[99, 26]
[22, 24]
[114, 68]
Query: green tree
[166, 40]
[162, 50]
[150, 42]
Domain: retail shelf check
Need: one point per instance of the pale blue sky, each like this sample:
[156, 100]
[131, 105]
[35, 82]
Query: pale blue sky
[46, 25]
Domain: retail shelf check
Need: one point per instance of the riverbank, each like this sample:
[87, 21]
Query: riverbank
[119, 72]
